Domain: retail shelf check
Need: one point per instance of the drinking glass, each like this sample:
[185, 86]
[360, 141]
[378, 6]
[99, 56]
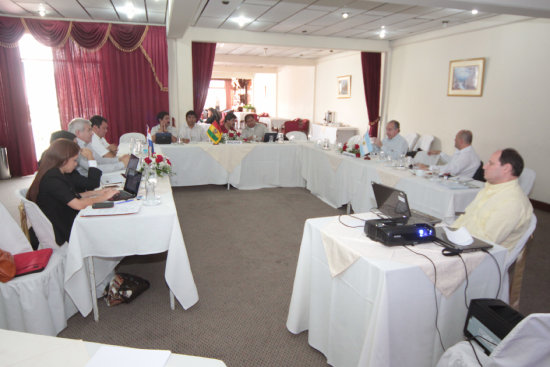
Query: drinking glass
[339, 146]
[382, 156]
[271, 138]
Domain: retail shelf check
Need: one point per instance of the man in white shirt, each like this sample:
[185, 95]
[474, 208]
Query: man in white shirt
[190, 132]
[393, 144]
[464, 162]
[164, 126]
[82, 128]
[99, 144]
[254, 130]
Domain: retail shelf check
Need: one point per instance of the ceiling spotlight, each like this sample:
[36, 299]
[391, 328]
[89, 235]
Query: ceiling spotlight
[129, 10]
[242, 21]
[345, 15]
[41, 10]
[382, 33]
[445, 23]
[474, 11]
[225, 2]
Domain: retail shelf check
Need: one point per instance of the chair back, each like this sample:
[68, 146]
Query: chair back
[126, 138]
[513, 255]
[356, 139]
[297, 125]
[297, 136]
[526, 180]
[40, 223]
[411, 139]
[12, 240]
[479, 175]
[526, 344]
[424, 143]
[423, 157]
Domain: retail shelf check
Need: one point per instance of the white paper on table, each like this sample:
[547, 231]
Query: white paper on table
[112, 178]
[119, 208]
[110, 355]
[460, 237]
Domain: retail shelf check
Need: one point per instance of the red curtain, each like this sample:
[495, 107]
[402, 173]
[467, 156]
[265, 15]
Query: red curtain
[15, 121]
[371, 63]
[203, 62]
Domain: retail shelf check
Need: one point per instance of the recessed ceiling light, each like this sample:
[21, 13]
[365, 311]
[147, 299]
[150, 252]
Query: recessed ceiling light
[225, 2]
[445, 23]
[345, 15]
[304, 31]
[382, 33]
[474, 11]
[129, 10]
[242, 21]
[41, 10]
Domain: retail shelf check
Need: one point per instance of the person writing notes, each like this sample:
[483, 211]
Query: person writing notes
[190, 132]
[501, 211]
[54, 192]
[393, 144]
[254, 130]
[464, 162]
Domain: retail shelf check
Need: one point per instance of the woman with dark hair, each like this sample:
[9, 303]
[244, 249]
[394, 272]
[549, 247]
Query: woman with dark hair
[54, 192]
[213, 115]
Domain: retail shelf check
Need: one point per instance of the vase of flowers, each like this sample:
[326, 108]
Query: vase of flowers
[354, 149]
[158, 164]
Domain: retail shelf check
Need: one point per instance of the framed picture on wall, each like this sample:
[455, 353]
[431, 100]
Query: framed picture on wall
[466, 77]
[344, 86]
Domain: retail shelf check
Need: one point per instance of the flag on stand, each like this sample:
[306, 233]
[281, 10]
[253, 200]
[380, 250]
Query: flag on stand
[214, 132]
[365, 147]
[150, 142]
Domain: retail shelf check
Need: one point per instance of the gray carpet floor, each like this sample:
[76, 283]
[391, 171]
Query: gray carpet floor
[243, 248]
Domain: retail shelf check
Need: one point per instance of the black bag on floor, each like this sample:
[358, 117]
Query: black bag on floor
[124, 288]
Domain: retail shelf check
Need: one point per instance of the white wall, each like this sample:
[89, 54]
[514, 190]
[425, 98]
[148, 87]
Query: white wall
[350, 111]
[514, 110]
[295, 86]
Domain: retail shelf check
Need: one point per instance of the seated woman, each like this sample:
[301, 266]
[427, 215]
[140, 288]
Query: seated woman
[54, 192]
[213, 115]
[228, 123]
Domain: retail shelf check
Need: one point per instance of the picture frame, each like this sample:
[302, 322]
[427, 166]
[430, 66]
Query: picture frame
[466, 77]
[343, 86]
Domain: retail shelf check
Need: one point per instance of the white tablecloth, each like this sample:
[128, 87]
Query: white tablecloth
[379, 312]
[107, 238]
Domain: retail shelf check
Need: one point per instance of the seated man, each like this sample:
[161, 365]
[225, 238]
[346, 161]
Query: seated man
[228, 123]
[190, 131]
[501, 211]
[99, 144]
[464, 162]
[81, 183]
[254, 130]
[393, 144]
[83, 130]
[164, 126]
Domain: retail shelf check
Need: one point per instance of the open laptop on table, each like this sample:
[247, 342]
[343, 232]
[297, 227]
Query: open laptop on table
[393, 203]
[163, 138]
[131, 186]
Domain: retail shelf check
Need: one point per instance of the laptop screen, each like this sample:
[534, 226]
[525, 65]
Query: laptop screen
[133, 179]
[163, 138]
[132, 164]
[390, 201]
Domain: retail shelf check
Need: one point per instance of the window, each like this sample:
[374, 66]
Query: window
[216, 95]
[40, 88]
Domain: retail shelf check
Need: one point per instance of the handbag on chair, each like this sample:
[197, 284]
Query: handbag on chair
[7, 266]
[32, 261]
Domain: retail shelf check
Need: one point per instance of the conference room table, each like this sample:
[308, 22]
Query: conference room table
[106, 239]
[365, 304]
[334, 178]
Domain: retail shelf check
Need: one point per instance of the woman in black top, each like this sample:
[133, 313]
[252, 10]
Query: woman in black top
[213, 115]
[55, 193]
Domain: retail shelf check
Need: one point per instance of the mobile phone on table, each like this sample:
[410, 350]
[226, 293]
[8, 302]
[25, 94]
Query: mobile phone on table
[103, 205]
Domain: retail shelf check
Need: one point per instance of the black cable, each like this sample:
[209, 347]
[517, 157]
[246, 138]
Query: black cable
[467, 282]
[487, 340]
[344, 224]
[474, 350]
[435, 295]
[499, 272]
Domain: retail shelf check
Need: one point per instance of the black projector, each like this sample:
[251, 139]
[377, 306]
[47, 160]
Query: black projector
[396, 232]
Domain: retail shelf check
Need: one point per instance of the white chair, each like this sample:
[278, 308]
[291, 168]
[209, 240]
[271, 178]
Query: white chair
[526, 180]
[516, 257]
[296, 136]
[34, 303]
[525, 345]
[423, 157]
[424, 143]
[126, 138]
[356, 139]
[411, 139]
[38, 221]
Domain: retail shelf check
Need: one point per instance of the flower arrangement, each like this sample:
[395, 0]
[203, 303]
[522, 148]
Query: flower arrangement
[157, 163]
[354, 149]
[232, 135]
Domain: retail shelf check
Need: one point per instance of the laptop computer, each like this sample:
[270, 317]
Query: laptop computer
[477, 245]
[163, 138]
[393, 203]
[132, 165]
[267, 135]
[131, 187]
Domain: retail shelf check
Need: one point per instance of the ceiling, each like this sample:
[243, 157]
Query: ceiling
[365, 19]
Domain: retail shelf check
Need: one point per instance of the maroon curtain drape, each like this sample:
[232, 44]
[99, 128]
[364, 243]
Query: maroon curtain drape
[203, 62]
[15, 121]
[371, 63]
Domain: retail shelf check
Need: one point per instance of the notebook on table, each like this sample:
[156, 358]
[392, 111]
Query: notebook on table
[477, 245]
[393, 203]
[131, 187]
